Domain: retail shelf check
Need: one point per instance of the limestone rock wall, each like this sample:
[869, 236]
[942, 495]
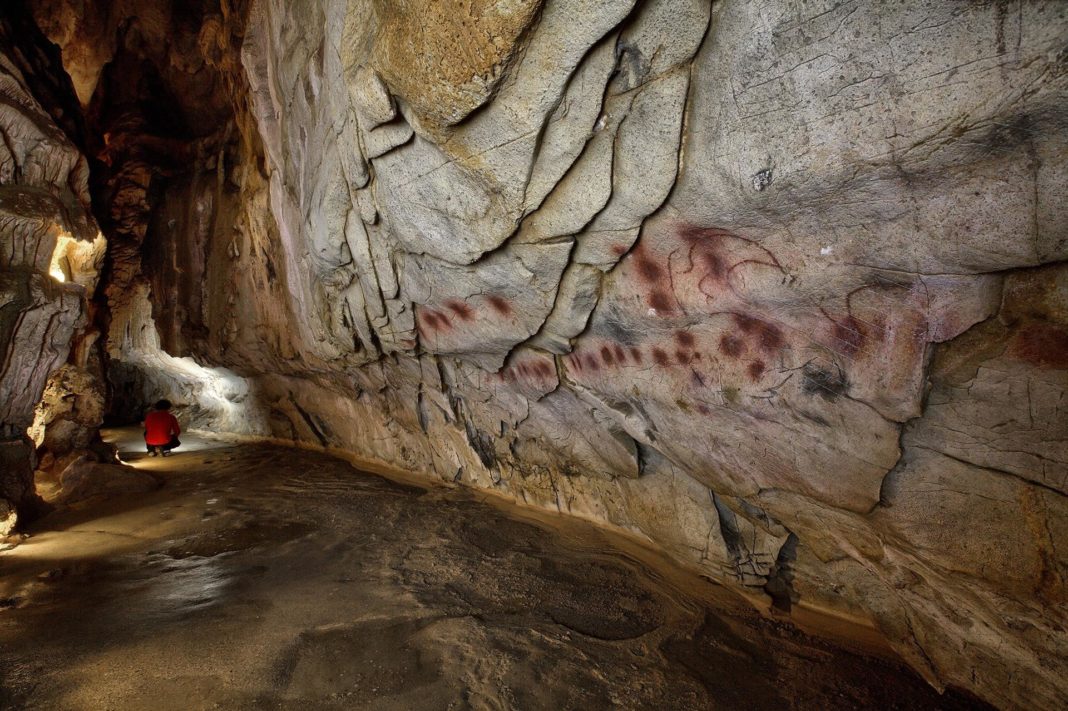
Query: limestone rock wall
[780, 287]
[757, 281]
[49, 252]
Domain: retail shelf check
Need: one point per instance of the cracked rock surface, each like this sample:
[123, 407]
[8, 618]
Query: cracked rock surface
[49, 253]
[779, 287]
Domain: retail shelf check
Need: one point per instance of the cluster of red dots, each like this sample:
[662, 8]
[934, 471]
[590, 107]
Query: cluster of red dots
[439, 319]
[537, 369]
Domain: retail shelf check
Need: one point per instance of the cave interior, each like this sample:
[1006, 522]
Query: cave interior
[534, 354]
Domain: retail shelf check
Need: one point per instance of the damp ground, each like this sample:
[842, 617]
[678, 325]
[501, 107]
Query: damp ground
[266, 577]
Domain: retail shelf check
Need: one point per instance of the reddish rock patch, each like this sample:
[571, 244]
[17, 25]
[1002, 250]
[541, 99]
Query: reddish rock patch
[849, 335]
[748, 324]
[660, 301]
[705, 245]
[756, 369]
[767, 336]
[434, 319]
[771, 338]
[499, 305]
[460, 309]
[660, 357]
[715, 267]
[684, 339]
[648, 270]
[730, 345]
[691, 234]
[1042, 344]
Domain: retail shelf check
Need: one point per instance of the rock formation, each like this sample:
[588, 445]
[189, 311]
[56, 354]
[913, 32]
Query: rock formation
[779, 287]
[49, 253]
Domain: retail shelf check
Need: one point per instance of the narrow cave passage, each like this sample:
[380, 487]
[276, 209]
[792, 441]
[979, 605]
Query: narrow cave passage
[266, 577]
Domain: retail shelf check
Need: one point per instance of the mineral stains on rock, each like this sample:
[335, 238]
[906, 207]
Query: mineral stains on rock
[499, 304]
[531, 247]
[1042, 344]
[460, 309]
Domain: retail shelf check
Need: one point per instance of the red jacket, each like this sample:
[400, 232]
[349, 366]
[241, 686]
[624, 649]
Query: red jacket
[160, 427]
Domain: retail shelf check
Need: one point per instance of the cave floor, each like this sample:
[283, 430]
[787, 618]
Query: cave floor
[275, 578]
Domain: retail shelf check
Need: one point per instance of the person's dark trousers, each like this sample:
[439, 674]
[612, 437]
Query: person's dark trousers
[163, 449]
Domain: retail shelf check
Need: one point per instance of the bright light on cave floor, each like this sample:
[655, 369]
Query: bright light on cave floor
[267, 577]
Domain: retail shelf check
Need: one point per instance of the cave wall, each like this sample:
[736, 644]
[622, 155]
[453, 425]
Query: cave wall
[779, 287]
[50, 248]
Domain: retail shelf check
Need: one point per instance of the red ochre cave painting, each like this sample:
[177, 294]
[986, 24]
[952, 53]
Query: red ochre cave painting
[702, 276]
[851, 336]
[535, 370]
[614, 355]
[499, 305]
[752, 339]
[707, 263]
[699, 271]
[431, 321]
[767, 337]
[704, 253]
[755, 369]
[428, 320]
[1042, 344]
[460, 309]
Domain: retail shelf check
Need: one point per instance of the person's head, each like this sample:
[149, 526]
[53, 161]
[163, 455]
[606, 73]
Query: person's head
[163, 405]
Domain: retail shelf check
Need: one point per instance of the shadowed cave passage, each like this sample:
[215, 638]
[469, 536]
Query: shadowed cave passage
[269, 577]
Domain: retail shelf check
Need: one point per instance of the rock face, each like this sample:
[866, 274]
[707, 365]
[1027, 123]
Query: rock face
[49, 246]
[86, 481]
[780, 287]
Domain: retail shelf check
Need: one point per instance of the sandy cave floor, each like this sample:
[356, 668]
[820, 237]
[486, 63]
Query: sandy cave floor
[275, 578]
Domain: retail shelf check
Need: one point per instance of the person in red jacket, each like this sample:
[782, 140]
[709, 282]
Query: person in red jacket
[161, 429]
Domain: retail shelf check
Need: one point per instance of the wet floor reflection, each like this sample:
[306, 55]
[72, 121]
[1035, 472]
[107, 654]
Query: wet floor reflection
[265, 577]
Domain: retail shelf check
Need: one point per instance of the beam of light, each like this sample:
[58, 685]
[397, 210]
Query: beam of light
[59, 265]
[77, 260]
[224, 400]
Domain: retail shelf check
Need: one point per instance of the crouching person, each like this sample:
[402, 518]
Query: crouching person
[161, 429]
